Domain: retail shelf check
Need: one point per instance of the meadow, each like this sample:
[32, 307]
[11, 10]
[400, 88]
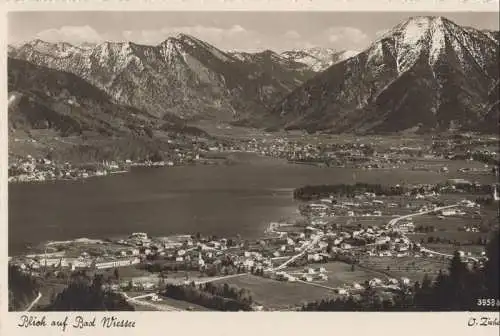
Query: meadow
[275, 295]
[341, 274]
[410, 267]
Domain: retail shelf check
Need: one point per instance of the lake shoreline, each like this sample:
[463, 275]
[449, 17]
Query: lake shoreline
[227, 158]
[223, 200]
[292, 217]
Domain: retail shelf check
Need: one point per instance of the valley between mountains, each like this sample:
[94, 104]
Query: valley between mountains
[425, 75]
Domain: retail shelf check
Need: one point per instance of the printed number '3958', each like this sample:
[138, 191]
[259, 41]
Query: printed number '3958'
[488, 302]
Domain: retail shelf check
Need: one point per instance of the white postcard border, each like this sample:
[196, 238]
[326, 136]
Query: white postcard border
[191, 323]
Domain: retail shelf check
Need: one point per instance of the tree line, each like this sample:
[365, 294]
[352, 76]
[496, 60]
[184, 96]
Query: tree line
[22, 288]
[85, 294]
[310, 193]
[217, 297]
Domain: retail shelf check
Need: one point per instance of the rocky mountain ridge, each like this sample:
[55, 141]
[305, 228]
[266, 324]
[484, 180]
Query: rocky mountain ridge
[183, 75]
[426, 73]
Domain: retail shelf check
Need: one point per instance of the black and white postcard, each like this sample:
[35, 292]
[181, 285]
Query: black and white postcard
[194, 161]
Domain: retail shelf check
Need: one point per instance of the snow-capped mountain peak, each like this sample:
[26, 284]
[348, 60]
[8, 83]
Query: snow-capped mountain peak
[316, 58]
[51, 49]
[426, 71]
[430, 37]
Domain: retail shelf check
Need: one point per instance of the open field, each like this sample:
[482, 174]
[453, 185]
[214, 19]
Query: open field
[463, 239]
[410, 267]
[169, 303]
[127, 272]
[182, 304]
[450, 249]
[274, 294]
[340, 274]
[447, 223]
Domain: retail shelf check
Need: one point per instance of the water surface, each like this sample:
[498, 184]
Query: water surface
[217, 200]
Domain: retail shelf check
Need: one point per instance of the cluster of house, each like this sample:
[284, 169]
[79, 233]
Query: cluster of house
[358, 155]
[376, 282]
[30, 169]
[398, 247]
[365, 205]
[84, 261]
[178, 249]
[301, 151]
[452, 212]
[382, 162]
[405, 226]
[179, 156]
[333, 241]
[309, 274]
[326, 207]
[281, 148]
[466, 143]
[201, 254]
[320, 274]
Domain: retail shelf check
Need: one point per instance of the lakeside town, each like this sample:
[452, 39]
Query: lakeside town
[40, 169]
[346, 239]
[364, 154]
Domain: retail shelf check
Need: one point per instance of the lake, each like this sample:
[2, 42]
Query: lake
[223, 200]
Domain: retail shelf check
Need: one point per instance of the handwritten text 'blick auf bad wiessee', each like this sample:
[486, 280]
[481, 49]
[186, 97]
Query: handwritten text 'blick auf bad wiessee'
[77, 322]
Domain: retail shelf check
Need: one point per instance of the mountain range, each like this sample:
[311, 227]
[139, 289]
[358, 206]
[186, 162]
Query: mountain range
[426, 74]
[182, 76]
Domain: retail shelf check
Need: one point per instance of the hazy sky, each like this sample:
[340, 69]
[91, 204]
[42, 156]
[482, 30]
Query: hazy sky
[250, 31]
